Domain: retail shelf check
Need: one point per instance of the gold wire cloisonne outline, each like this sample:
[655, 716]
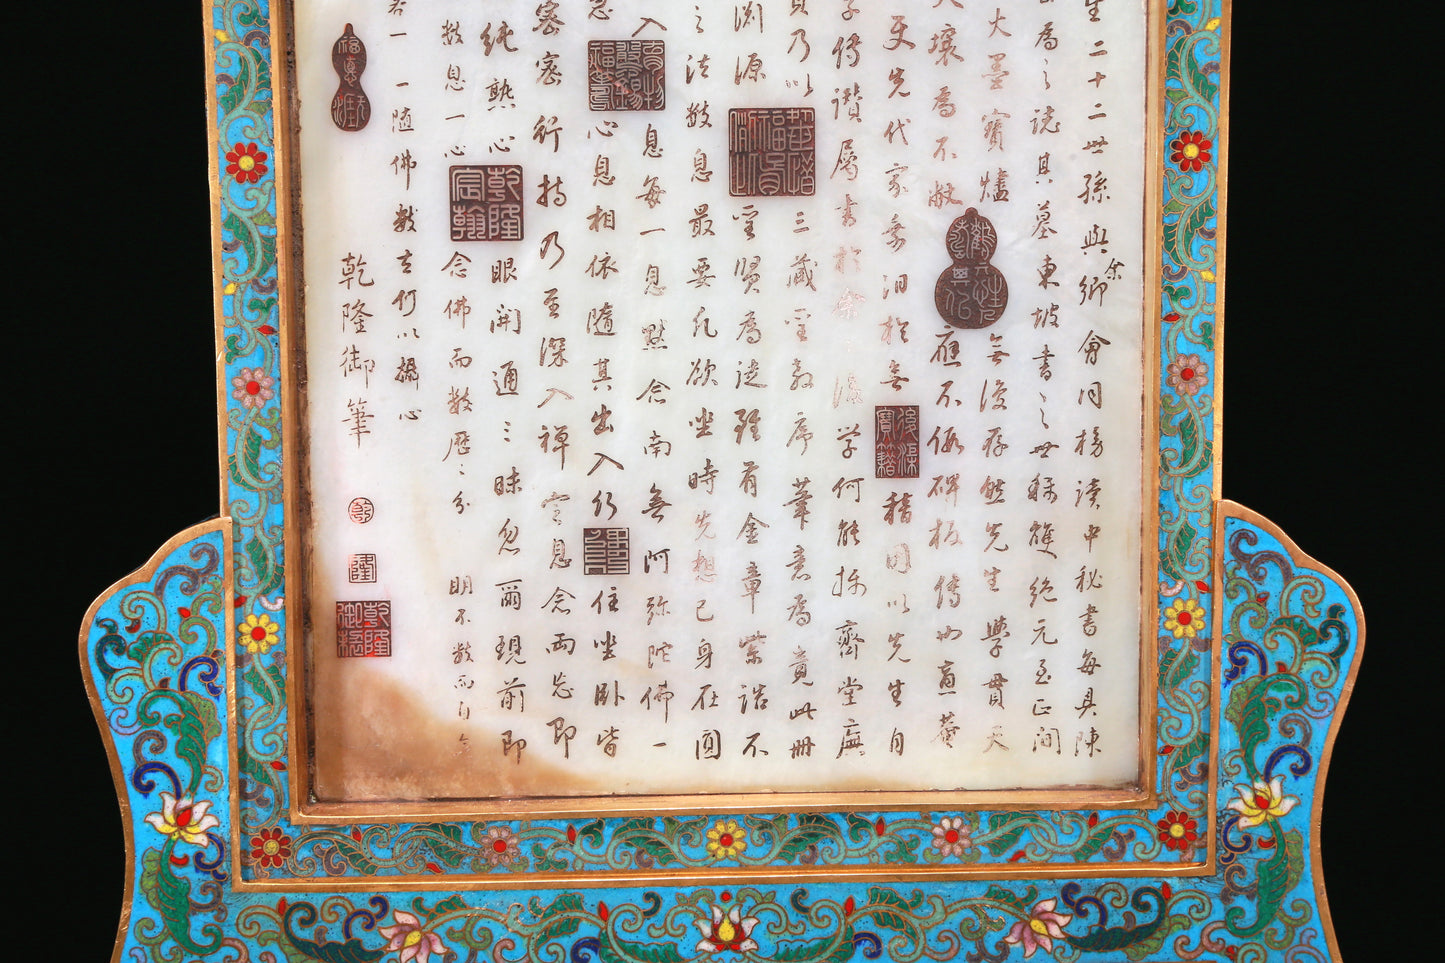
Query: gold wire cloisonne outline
[118, 773]
[300, 721]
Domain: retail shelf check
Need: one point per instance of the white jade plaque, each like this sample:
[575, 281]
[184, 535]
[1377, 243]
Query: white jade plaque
[729, 398]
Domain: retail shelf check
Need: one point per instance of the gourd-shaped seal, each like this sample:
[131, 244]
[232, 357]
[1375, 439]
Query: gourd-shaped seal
[350, 108]
[972, 293]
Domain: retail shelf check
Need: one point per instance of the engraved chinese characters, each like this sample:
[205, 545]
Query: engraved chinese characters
[486, 202]
[350, 108]
[972, 293]
[771, 152]
[625, 74]
[895, 441]
[685, 474]
[363, 629]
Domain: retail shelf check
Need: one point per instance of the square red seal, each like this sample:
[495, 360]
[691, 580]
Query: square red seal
[771, 152]
[486, 202]
[363, 629]
[625, 74]
[895, 441]
[605, 551]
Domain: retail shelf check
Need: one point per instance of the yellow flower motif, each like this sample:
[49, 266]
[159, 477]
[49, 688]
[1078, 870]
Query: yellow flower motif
[230, 287]
[1262, 801]
[222, 37]
[184, 818]
[1184, 618]
[258, 634]
[726, 839]
[1207, 274]
[1213, 23]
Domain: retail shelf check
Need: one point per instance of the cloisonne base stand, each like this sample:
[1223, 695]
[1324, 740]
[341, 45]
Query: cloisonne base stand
[186, 661]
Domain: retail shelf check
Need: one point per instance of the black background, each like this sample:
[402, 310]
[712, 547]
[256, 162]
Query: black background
[1329, 357]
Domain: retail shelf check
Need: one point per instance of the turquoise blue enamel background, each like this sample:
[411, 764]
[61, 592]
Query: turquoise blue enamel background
[1261, 686]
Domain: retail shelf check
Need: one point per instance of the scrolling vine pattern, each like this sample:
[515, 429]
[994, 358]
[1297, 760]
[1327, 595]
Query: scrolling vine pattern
[1185, 495]
[1290, 638]
[157, 661]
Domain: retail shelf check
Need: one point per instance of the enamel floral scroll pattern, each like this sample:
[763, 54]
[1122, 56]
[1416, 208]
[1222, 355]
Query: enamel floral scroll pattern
[246, 193]
[255, 504]
[156, 653]
[1289, 638]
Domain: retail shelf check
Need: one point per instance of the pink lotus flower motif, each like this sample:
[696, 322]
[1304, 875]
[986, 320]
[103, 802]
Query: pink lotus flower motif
[1040, 930]
[1262, 801]
[252, 387]
[188, 821]
[408, 936]
[730, 932]
[950, 836]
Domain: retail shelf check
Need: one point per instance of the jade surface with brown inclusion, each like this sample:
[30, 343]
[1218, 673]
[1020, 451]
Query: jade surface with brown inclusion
[731, 480]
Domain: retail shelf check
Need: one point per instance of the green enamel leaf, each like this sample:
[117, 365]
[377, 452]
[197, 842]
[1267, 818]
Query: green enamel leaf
[543, 861]
[354, 854]
[235, 94]
[1184, 756]
[1117, 937]
[111, 642]
[170, 895]
[810, 829]
[1176, 666]
[614, 950]
[251, 766]
[267, 571]
[1011, 834]
[592, 832]
[200, 725]
[829, 949]
[194, 721]
[1175, 559]
[639, 834]
[245, 460]
[999, 894]
[1189, 438]
[1179, 233]
[451, 904]
[243, 235]
[1300, 627]
[1150, 946]
[443, 839]
[1273, 881]
[1249, 712]
[1200, 80]
[268, 255]
[1177, 293]
[1294, 844]
[140, 649]
[891, 911]
[351, 951]
[1091, 844]
[859, 827]
[561, 918]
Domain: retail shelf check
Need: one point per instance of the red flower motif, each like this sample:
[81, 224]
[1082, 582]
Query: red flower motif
[1191, 151]
[270, 847]
[243, 162]
[1178, 831]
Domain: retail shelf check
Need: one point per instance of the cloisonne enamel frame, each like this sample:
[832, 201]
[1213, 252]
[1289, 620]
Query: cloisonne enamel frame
[1216, 856]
